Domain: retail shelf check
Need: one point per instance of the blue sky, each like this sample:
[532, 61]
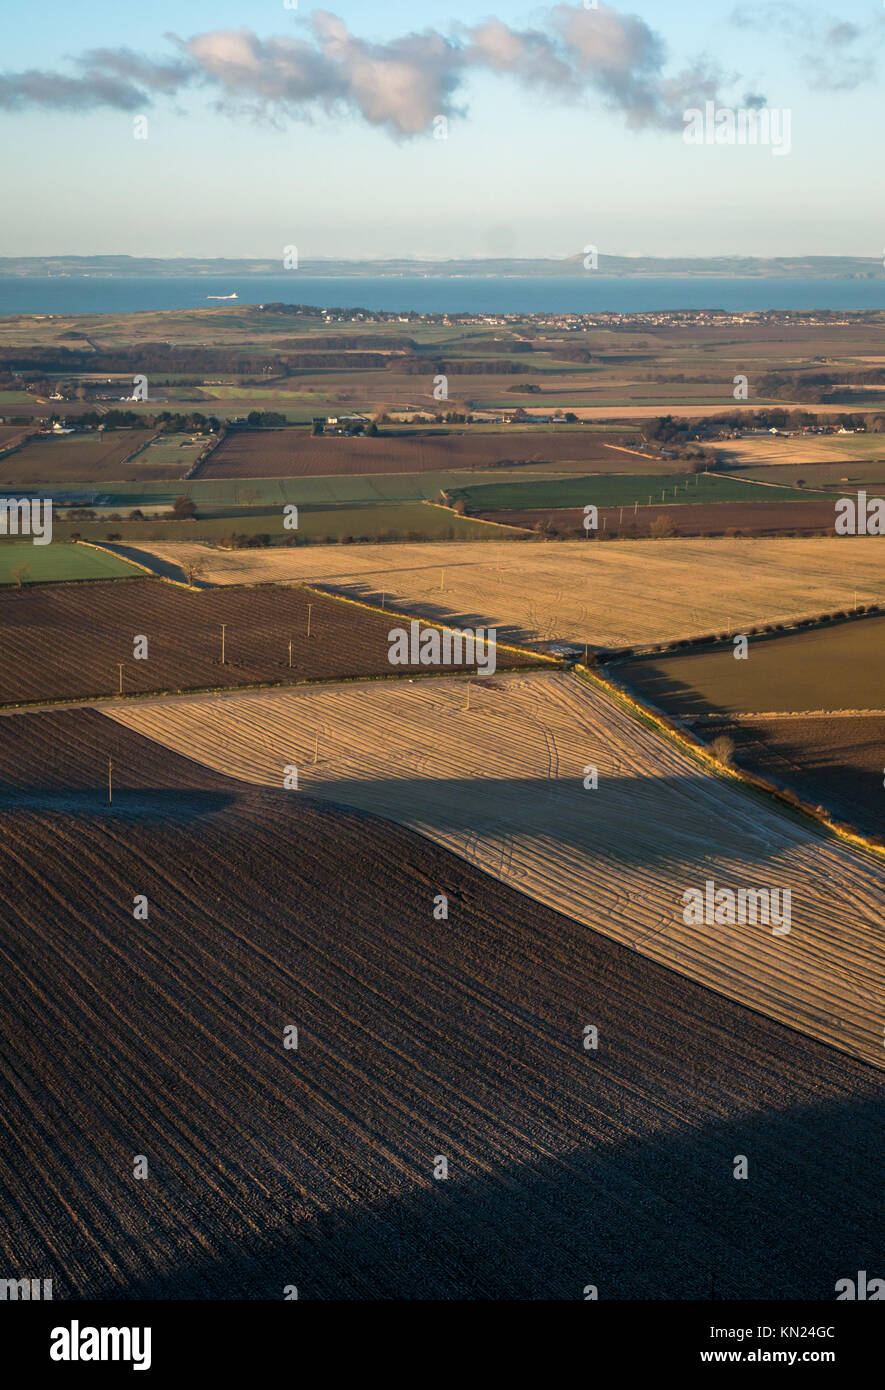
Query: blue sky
[531, 167]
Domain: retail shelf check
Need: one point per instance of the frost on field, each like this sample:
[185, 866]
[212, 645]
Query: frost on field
[502, 782]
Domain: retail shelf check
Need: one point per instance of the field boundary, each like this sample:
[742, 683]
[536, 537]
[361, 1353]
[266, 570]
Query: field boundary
[786, 714]
[673, 729]
[762, 482]
[153, 574]
[132, 696]
[17, 444]
[791, 627]
[206, 453]
[622, 449]
[499, 525]
[135, 452]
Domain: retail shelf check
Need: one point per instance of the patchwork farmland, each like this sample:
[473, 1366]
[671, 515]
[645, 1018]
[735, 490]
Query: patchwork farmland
[48, 458]
[502, 784]
[805, 711]
[469, 894]
[270, 1165]
[318, 524]
[629, 594]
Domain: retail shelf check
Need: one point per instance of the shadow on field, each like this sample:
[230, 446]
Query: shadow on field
[657, 683]
[661, 1217]
[405, 609]
[845, 778]
[164, 568]
[417, 1037]
[166, 804]
[626, 820]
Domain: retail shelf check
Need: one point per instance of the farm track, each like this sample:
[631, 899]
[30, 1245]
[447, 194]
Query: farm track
[618, 858]
[609, 595]
[416, 1038]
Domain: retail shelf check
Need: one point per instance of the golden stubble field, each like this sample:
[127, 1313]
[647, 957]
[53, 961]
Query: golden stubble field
[621, 593]
[795, 449]
[503, 785]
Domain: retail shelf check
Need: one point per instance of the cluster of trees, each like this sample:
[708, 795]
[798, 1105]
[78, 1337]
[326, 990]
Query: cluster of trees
[35, 364]
[183, 509]
[305, 311]
[239, 540]
[767, 417]
[451, 417]
[817, 386]
[573, 354]
[365, 361]
[437, 366]
[356, 427]
[166, 422]
[674, 434]
[666, 430]
[265, 419]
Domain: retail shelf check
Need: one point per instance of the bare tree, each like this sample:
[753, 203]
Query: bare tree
[722, 748]
[193, 569]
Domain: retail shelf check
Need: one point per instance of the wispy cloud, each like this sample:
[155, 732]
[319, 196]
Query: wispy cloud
[834, 54]
[400, 85]
[108, 77]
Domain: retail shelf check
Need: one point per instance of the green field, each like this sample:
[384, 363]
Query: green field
[370, 521]
[59, 562]
[866, 445]
[829, 668]
[213, 494]
[171, 451]
[620, 491]
[825, 476]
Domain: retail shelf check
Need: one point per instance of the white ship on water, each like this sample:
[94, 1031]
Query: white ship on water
[223, 296]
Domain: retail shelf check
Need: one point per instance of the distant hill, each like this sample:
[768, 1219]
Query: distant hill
[108, 267]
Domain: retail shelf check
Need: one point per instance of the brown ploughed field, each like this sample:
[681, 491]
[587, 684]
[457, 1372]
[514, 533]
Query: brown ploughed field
[833, 761]
[298, 454]
[94, 457]
[496, 772]
[65, 641]
[699, 519]
[416, 1038]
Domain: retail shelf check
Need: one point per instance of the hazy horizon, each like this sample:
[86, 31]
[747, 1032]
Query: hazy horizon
[564, 257]
[564, 127]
